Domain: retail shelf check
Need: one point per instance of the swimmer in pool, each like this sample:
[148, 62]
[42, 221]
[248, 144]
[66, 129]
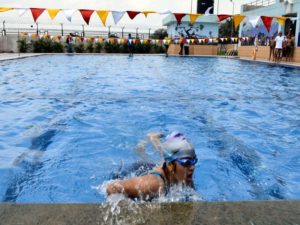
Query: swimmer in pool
[178, 168]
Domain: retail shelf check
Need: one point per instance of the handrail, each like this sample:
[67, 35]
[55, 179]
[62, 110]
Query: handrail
[257, 4]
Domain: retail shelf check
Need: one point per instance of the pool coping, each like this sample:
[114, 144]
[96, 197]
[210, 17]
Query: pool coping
[12, 56]
[209, 213]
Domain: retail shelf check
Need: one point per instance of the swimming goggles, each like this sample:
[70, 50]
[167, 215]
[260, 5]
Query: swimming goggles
[187, 162]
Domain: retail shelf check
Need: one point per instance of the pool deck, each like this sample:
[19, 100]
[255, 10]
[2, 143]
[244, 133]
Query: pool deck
[208, 213]
[10, 56]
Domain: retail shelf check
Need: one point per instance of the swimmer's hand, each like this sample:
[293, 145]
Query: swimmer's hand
[155, 135]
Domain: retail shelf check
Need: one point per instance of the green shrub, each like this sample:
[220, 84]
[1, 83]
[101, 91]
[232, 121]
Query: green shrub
[23, 45]
[42, 45]
[58, 47]
[124, 48]
[157, 48]
[139, 48]
[37, 45]
[90, 47]
[79, 48]
[47, 45]
[112, 47]
[98, 47]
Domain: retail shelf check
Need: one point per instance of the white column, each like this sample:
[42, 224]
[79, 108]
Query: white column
[297, 30]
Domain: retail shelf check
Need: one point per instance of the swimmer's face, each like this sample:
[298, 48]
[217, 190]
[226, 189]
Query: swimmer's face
[184, 174]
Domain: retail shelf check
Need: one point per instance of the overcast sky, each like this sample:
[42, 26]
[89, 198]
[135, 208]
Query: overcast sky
[153, 20]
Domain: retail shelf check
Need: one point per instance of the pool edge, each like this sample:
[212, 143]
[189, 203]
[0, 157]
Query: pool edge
[251, 212]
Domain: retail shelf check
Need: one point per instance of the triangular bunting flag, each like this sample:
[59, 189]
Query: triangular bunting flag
[237, 19]
[53, 12]
[193, 18]
[132, 14]
[103, 16]
[165, 12]
[253, 20]
[5, 9]
[179, 17]
[147, 12]
[21, 11]
[86, 14]
[36, 12]
[222, 17]
[69, 13]
[267, 20]
[117, 16]
[281, 20]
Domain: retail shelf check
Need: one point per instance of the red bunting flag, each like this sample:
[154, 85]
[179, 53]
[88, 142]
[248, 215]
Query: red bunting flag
[132, 14]
[222, 17]
[267, 22]
[36, 12]
[179, 17]
[86, 15]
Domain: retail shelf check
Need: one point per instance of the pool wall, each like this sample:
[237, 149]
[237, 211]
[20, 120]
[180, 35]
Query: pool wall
[252, 213]
[243, 51]
[263, 52]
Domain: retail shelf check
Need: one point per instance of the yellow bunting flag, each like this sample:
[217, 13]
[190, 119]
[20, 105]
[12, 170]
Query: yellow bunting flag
[103, 16]
[5, 9]
[281, 19]
[147, 12]
[193, 18]
[52, 13]
[237, 19]
[33, 36]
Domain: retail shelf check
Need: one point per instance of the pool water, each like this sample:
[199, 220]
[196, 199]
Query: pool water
[68, 122]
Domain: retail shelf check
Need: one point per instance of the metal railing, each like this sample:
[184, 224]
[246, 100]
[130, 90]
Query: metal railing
[80, 33]
[257, 4]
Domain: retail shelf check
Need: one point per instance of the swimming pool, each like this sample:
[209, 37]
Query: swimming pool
[68, 122]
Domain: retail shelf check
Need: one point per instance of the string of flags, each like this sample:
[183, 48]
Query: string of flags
[167, 41]
[118, 15]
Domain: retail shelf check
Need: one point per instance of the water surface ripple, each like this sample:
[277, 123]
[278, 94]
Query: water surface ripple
[68, 122]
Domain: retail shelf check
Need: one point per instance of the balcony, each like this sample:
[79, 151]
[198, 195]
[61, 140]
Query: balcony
[257, 4]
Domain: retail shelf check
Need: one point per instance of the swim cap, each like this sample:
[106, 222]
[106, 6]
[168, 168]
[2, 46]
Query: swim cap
[176, 146]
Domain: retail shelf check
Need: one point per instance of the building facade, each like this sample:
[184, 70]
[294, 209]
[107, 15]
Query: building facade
[204, 27]
[287, 8]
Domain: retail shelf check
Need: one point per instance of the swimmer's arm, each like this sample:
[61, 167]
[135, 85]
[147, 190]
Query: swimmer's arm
[143, 186]
[154, 138]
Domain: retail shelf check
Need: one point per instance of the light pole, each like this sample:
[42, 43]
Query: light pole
[123, 32]
[218, 7]
[191, 6]
[232, 17]
[83, 33]
[136, 33]
[149, 33]
[4, 30]
[37, 28]
[62, 29]
[109, 31]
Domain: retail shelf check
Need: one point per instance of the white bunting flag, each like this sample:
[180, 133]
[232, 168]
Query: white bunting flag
[117, 16]
[165, 12]
[21, 11]
[253, 20]
[69, 13]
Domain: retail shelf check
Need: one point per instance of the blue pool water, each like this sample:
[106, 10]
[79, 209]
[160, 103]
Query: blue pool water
[68, 122]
